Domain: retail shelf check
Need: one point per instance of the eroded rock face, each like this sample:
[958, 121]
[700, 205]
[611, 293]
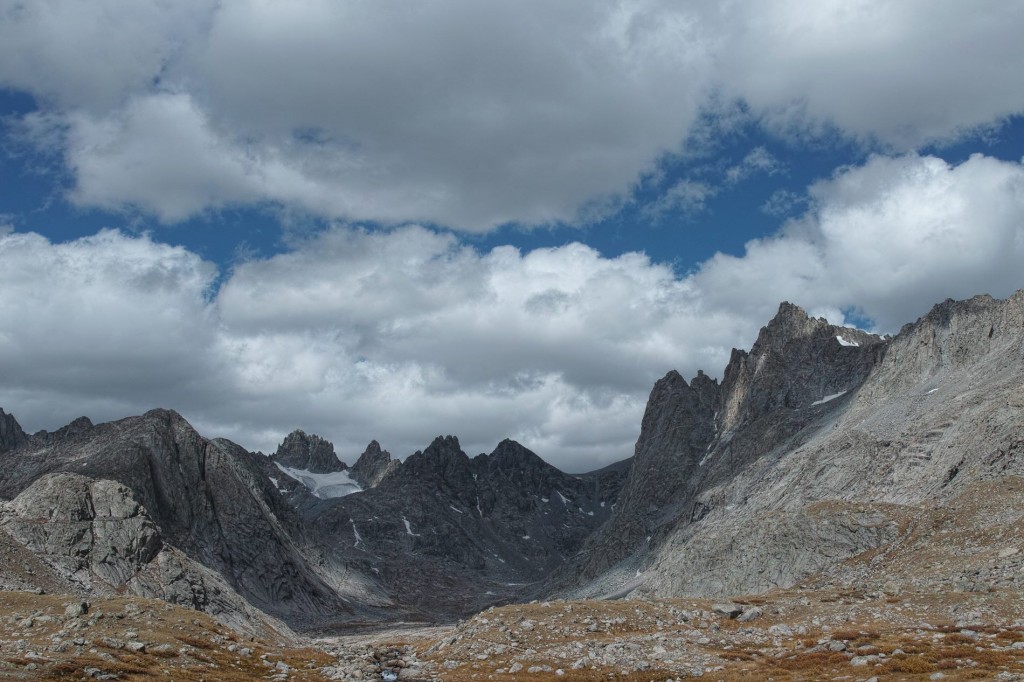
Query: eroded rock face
[309, 453]
[94, 530]
[373, 465]
[739, 477]
[449, 534]
[11, 435]
[96, 536]
[211, 499]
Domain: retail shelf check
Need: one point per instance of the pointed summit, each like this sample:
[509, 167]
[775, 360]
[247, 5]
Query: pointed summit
[308, 452]
[373, 466]
[443, 462]
[796, 361]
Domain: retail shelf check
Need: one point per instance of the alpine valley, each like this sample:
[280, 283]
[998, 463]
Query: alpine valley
[840, 505]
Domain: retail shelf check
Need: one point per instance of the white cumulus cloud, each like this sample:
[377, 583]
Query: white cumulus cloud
[401, 335]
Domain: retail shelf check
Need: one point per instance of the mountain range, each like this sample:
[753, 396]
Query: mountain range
[820, 447]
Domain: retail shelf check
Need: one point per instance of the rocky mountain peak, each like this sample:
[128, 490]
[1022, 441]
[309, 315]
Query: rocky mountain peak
[308, 452]
[444, 463]
[510, 454]
[796, 361]
[372, 466]
[11, 435]
[953, 335]
[443, 446]
[791, 322]
[76, 427]
[512, 462]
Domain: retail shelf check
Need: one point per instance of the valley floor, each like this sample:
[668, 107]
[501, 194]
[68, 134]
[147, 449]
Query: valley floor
[785, 635]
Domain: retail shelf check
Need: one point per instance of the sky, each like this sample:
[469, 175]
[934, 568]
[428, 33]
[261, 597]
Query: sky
[386, 220]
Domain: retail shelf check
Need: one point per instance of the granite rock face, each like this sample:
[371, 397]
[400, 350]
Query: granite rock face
[475, 529]
[309, 453]
[820, 444]
[97, 537]
[795, 461]
[372, 466]
[11, 435]
[211, 500]
[440, 535]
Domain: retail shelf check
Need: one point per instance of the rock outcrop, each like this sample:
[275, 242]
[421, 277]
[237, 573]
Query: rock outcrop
[821, 446]
[794, 462]
[372, 466]
[213, 501]
[96, 536]
[309, 453]
[11, 435]
[475, 529]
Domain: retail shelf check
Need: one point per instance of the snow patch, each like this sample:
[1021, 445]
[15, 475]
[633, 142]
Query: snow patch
[544, 499]
[526, 537]
[931, 391]
[565, 500]
[458, 510]
[408, 528]
[844, 342]
[355, 531]
[828, 398]
[324, 486]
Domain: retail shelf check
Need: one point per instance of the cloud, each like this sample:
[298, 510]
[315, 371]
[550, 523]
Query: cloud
[159, 153]
[401, 335]
[901, 73]
[758, 160]
[102, 321]
[91, 55]
[685, 196]
[469, 116]
[890, 238]
[782, 202]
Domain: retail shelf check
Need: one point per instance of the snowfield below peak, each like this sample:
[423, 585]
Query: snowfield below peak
[324, 486]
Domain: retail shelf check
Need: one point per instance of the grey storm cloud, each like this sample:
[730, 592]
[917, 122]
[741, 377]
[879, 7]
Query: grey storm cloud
[468, 114]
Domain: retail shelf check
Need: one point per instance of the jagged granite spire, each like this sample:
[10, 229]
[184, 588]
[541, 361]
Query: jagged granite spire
[373, 466]
[11, 435]
[796, 360]
[308, 452]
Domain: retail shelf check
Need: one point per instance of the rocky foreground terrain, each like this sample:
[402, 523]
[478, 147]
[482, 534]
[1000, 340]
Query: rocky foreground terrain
[839, 506]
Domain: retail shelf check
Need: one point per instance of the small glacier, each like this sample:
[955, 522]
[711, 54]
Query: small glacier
[324, 486]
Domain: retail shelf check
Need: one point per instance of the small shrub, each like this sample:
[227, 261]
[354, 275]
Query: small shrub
[909, 664]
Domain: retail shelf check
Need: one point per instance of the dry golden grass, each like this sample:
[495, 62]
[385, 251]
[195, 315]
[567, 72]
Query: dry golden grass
[869, 628]
[197, 646]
